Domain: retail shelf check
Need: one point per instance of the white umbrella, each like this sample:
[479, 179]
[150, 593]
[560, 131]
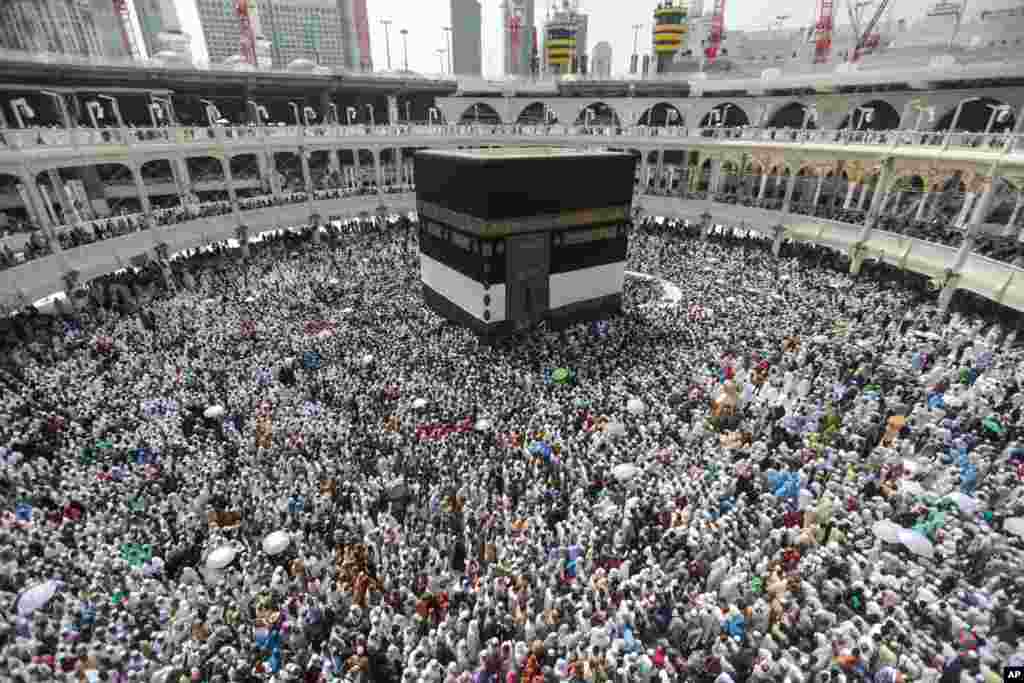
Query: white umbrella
[635, 406]
[917, 543]
[419, 403]
[1015, 525]
[605, 509]
[887, 530]
[213, 412]
[966, 504]
[36, 597]
[482, 425]
[616, 429]
[911, 487]
[221, 557]
[625, 472]
[275, 542]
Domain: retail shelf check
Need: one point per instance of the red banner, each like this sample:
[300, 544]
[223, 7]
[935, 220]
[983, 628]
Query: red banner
[247, 47]
[362, 25]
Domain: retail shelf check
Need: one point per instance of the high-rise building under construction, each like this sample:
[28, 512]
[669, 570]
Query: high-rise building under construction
[565, 39]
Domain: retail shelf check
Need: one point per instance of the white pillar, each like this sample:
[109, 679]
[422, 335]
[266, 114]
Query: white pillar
[70, 214]
[225, 164]
[965, 209]
[817, 192]
[140, 188]
[379, 171]
[922, 205]
[790, 186]
[1011, 224]
[660, 170]
[851, 190]
[863, 197]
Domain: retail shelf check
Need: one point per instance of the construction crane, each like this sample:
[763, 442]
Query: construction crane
[124, 12]
[823, 32]
[717, 29]
[869, 39]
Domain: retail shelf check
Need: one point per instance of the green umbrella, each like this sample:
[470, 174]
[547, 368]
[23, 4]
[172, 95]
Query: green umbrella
[993, 425]
[561, 376]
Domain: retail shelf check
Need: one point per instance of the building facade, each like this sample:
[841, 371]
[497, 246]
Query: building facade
[601, 61]
[466, 51]
[85, 28]
[157, 17]
[519, 38]
[296, 29]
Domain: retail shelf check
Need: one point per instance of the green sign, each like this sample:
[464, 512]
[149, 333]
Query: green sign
[311, 31]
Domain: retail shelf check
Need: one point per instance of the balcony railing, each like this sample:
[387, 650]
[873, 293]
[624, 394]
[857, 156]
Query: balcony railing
[32, 138]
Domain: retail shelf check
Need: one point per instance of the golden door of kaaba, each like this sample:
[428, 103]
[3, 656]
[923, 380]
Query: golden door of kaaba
[527, 265]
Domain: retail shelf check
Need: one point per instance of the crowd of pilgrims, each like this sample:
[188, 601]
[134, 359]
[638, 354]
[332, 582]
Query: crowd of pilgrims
[283, 467]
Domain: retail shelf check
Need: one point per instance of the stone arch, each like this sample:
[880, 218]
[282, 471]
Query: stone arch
[533, 115]
[480, 112]
[113, 173]
[604, 115]
[884, 117]
[245, 166]
[974, 117]
[204, 169]
[789, 115]
[14, 208]
[120, 192]
[734, 116]
[157, 171]
[661, 114]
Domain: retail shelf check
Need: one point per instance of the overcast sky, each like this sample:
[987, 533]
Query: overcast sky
[609, 20]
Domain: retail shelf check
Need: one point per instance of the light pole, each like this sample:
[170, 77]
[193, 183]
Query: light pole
[62, 106]
[448, 41]
[867, 115]
[725, 115]
[256, 111]
[95, 111]
[956, 120]
[165, 107]
[1000, 112]
[295, 113]
[405, 49]
[307, 114]
[920, 115]
[120, 121]
[387, 40]
[20, 107]
[810, 113]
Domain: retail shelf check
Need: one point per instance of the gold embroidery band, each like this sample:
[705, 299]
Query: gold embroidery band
[511, 226]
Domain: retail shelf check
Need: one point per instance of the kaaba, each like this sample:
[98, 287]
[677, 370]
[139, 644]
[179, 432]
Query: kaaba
[510, 237]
